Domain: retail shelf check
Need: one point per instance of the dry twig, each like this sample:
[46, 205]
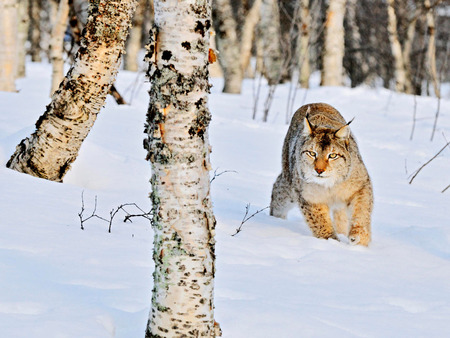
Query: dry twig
[425, 164]
[246, 217]
[112, 213]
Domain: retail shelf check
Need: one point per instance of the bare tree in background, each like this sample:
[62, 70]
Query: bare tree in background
[8, 45]
[234, 41]
[22, 36]
[51, 149]
[303, 44]
[134, 41]
[59, 26]
[333, 50]
[178, 150]
[35, 29]
[269, 31]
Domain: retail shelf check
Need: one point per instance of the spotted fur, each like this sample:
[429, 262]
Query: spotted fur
[323, 173]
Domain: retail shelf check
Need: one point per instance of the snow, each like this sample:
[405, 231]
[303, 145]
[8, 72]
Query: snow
[273, 278]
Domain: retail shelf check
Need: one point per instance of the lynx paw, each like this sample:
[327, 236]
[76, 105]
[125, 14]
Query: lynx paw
[354, 239]
[359, 236]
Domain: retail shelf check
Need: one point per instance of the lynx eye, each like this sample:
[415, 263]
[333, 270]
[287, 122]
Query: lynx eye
[311, 153]
[333, 156]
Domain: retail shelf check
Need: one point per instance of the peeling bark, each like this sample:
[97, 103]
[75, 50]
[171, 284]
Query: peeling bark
[178, 149]
[8, 45]
[50, 150]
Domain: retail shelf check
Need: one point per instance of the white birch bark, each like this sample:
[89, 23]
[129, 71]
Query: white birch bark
[333, 53]
[431, 49]
[227, 43]
[270, 30]
[133, 44]
[22, 37]
[402, 83]
[303, 44]
[8, 45]
[178, 149]
[50, 150]
[248, 32]
[56, 44]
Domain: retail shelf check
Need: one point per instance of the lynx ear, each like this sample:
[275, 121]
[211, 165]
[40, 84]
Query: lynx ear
[344, 132]
[307, 126]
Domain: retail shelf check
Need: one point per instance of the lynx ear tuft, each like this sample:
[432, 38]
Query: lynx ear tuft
[307, 126]
[344, 132]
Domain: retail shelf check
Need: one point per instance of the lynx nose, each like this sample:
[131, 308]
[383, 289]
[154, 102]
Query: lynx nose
[319, 170]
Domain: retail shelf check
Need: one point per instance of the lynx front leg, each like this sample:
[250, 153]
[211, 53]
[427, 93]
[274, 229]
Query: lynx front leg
[318, 218]
[282, 200]
[361, 205]
[340, 221]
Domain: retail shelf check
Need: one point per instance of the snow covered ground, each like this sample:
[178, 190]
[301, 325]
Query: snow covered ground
[273, 278]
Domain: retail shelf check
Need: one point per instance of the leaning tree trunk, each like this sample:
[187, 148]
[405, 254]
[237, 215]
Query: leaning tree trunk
[227, 43]
[57, 43]
[50, 150]
[178, 149]
[333, 54]
[8, 45]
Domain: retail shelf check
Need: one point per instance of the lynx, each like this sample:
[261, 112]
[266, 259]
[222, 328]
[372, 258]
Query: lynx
[324, 174]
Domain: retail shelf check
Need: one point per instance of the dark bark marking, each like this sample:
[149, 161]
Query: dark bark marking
[186, 45]
[166, 55]
[200, 28]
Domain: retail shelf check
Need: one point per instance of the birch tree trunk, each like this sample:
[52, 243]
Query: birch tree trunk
[227, 43]
[270, 31]
[178, 149]
[360, 67]
[56, 44]
[50, 150]
[431, 49]
[402, 82]
[248, 32]
[303, 44]
[333, 53]
[35, 30]
[133, 44]
[22, 37]
[8, 45]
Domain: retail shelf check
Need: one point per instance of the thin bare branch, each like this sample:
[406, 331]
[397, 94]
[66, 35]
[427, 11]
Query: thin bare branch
[216, 174]
[246, 217]
[425, 164]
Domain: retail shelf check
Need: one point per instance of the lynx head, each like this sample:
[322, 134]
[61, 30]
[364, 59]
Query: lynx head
[324, 156]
